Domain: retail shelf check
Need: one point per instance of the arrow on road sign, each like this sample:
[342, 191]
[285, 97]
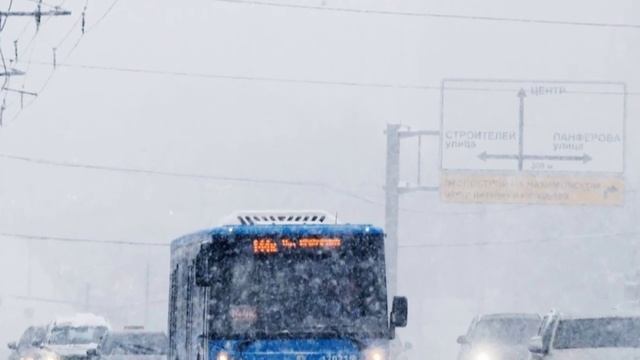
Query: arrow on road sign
[521, 95]
[521, 157]
[484, 156]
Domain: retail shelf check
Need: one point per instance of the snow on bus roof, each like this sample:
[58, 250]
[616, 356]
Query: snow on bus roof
[279, 217]
[79, 320]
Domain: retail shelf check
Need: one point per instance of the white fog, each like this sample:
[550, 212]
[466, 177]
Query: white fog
[164, 117]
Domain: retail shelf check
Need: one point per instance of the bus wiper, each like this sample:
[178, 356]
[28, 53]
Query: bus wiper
[245, 343]
[338, 332]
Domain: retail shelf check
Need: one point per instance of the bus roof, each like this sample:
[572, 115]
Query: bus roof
[283, 230]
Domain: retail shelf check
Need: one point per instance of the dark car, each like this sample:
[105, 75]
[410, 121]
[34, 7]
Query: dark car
[499, 337]
[133, 345]
[30, 341]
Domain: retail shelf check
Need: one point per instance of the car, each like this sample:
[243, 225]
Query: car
[132, 344]
[613, 335]
[30, 341]
[70, 338]
[499, 337]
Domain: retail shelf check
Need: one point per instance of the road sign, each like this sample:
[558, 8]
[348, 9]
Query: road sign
[531, 189]
[533, 126]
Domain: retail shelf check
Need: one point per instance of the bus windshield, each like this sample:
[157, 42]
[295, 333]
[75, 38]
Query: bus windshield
[300, 294]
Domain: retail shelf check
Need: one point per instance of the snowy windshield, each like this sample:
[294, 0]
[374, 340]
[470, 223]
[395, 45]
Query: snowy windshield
[76, 335]
[510, 331]
[335, 292]
[135, 344]
[598, 333]
[31, 336]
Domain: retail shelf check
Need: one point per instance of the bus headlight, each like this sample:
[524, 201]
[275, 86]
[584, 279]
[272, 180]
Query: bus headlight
[223, 355]
[375, 353]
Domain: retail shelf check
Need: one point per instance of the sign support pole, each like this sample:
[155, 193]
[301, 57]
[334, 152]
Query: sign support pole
[393, 190]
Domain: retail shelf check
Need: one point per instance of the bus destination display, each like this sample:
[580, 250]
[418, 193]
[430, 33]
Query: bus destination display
[272, 246]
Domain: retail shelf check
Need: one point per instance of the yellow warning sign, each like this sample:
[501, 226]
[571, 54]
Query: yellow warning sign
[531, 189]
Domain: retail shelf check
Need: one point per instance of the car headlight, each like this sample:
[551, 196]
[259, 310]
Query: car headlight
[375, 353]
[223, 355]
[26, 358]
[50, 356]
[482, 355]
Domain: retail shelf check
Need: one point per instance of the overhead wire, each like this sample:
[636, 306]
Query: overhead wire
[293, 80]
[534, 241]
[2, 25]
[40, 299]
[362, 11]
[31, 48]
[80, 20]
[221, 76]
[106, 13]
[6, 75]
[47, 238]
[554, 239]
[248, 180]
[241, 77]
[140, 171]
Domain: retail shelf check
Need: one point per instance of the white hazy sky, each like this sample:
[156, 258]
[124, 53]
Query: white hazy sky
[303, 132]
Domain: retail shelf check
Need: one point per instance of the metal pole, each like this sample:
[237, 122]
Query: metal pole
[392, 201]
[29, 267]
[146, 296]
[87, 297]
[419, 160]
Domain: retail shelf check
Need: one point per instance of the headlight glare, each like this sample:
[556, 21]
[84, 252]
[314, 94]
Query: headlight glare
[223, 355]
[482, 355]
[375, 354]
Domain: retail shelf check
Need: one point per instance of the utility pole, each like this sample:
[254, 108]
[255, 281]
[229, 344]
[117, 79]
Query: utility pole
[29, 267]
[392, 200]
[37, 14]
[87, 297]
[146, 295]
[393, 190]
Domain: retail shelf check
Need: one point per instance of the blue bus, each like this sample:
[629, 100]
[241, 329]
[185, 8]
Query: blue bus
[287, 286]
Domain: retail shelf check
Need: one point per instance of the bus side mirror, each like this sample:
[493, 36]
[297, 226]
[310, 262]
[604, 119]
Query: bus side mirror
[12, 345]
[399, 311]
[463, 340]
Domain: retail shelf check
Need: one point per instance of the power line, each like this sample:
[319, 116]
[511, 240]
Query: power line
[42, 299]
[188, 175]
[323, 186]
[39, 299]
[106, 13]
[242, 77]
[381, 85]
[361, 11]
[47, 238]
[555, 239]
